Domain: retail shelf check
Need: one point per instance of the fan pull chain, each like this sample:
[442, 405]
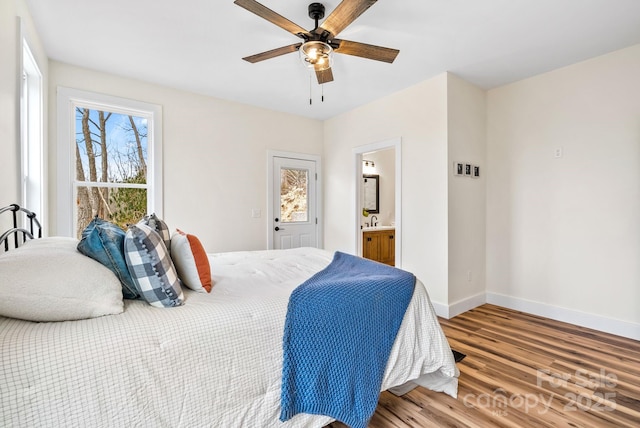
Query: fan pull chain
[311, 90]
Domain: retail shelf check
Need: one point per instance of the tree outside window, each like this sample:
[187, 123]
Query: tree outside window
[294, 195]
[110, 167]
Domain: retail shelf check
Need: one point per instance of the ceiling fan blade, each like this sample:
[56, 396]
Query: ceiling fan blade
[343, 15]
[324, 76]
[272, 53]
[271, 16]
[364, 50]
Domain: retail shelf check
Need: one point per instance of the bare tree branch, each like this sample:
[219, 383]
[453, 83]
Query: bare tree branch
[83, 201]
[143, 164]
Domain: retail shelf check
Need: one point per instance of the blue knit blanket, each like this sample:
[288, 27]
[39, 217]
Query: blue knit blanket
[339, 330]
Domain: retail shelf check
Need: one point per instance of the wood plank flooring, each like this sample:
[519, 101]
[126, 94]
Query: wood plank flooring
[522, 370]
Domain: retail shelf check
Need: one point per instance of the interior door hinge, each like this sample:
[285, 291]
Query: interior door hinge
[316, 220]
[316, 176]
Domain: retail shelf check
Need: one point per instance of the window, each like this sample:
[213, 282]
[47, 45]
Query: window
[109, 160]
[293, 195]
[32, 147]
[111, 167]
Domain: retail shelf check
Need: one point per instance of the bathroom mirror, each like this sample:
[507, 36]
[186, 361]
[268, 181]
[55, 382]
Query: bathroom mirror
[371, 192]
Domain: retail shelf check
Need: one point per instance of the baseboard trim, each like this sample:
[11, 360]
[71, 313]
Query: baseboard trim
[467, 304]
[583, 319]
[441, 309]
[459, 307]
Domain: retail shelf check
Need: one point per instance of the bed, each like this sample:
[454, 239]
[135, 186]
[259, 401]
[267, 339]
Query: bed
[215, 361]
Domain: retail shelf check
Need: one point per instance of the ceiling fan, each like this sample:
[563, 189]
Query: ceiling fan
[316, 50]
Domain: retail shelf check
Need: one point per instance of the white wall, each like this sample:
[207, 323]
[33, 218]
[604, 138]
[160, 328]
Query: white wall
[9, 98]
[440, 120]
[419, 116]
[14, 21]
[564, 233]
[215, 155]
[467, 196]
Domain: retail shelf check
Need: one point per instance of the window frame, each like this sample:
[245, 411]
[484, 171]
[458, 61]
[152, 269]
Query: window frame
[32, 149]
[67, 101]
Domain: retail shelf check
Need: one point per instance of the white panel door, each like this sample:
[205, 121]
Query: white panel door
[294, 203]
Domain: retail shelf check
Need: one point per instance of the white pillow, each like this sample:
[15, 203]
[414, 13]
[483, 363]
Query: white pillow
[48, 279]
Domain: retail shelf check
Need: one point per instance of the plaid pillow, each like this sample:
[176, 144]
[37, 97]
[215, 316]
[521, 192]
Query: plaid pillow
[159, 226]
[151, 267]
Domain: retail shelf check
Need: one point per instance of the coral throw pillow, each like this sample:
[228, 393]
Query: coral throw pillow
[191, 261]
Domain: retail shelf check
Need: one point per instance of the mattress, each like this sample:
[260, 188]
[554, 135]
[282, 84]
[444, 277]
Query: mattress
[216, 361]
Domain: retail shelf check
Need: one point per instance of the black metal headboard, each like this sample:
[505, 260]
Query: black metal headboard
[20, 235]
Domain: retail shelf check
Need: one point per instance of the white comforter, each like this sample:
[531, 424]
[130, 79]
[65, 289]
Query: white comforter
[214, 362]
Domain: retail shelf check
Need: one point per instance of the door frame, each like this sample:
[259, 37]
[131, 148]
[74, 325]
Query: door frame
[394, 143]
[319, 195]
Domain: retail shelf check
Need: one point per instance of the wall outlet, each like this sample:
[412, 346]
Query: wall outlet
[557, 153]
[256, 213]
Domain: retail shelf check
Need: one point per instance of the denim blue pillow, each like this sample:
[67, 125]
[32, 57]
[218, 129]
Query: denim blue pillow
[104, 242]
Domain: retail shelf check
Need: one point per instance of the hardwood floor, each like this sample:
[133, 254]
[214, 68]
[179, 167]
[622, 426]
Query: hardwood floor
[522, 370]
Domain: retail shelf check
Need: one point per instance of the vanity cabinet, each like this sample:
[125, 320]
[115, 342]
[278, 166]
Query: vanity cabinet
[379, 245]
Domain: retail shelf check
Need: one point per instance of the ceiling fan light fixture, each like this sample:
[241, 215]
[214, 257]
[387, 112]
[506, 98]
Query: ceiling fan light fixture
[316, 55]
[316, 52]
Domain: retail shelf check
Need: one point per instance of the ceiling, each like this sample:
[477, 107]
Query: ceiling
[197, 45]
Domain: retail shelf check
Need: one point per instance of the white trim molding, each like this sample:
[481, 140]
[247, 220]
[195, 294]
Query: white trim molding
[459, 307]
[67, 100]
[441, 309]
[596, 322]
[464, 305]
[394, 143]
[583, 319]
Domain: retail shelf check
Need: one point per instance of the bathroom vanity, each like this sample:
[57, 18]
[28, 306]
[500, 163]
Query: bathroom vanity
[378, 243]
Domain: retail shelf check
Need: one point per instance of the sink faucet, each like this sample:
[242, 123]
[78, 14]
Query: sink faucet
[374, 223]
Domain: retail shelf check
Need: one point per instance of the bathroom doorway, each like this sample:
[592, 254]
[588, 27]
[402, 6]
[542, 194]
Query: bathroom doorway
[377, 202]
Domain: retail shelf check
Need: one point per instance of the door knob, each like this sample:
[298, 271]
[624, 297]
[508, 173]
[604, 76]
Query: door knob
[278, 228]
